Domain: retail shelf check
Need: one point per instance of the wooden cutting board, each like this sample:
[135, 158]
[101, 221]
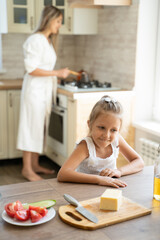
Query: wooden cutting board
[127, 211]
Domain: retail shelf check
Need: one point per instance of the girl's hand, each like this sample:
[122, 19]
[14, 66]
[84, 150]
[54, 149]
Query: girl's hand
[62, 73]
[111, 172]
[107, 181]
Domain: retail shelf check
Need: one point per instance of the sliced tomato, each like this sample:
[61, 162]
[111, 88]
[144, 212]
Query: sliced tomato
[35, 216]
[22, 215]
[41, 210]
[11, 208]
[17, 205]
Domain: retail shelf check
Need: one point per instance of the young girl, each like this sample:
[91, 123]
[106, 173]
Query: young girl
[94, 158]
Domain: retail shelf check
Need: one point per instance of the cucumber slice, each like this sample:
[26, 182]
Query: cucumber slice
[44, 203]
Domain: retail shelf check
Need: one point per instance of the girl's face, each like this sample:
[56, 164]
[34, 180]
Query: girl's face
[55, 24]
[105, 129]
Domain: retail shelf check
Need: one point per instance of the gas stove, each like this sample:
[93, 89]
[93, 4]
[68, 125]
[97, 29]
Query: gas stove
[90, 86]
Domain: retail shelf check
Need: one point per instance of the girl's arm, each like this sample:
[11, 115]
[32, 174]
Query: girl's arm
[61, 73]
[135, 164]
[67, 172]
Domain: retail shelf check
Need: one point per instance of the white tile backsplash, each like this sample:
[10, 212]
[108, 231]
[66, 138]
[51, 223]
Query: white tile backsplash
[109, 55]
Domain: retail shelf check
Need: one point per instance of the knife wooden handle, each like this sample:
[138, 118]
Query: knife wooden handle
[74, 73]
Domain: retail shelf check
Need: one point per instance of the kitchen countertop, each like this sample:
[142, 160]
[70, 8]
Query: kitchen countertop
[9, 84]
[139, 189]
[82, 90]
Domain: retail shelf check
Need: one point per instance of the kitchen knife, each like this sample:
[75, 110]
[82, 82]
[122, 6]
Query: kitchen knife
[83, 211]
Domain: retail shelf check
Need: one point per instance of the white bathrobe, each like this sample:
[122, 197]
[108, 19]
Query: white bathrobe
[37, 93]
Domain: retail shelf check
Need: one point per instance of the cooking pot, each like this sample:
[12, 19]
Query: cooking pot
[84, 77]
[81, 75]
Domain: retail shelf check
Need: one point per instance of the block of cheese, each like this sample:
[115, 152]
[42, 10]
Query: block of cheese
[111, 199]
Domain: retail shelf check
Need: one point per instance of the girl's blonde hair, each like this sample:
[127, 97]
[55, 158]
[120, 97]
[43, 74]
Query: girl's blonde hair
[105, 105]
[48, 13]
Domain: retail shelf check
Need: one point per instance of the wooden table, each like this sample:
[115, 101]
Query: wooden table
[139, 189]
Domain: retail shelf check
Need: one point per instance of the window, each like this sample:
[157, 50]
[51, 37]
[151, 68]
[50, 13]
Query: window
[147, 81]
[156, 98]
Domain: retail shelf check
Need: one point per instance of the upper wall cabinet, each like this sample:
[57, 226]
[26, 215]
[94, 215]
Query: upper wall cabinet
[89, 3]
[24, 15]
[21, 17]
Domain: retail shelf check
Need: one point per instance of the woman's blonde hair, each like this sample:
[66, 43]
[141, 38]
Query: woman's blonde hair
[48, 13]
[105, 105]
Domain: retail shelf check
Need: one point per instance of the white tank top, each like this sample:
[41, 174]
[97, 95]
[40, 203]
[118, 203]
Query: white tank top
[94, 164]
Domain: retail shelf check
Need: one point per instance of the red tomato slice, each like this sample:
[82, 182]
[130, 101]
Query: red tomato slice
[11, 208]
[17, 205]
[35, 216]
[22, 215]
[41, 210]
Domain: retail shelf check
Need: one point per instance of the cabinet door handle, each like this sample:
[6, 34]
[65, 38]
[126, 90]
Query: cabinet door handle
[31, 22]
[69, 24]
[10, 100]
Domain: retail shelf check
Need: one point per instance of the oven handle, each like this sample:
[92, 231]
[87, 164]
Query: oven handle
[59, 111]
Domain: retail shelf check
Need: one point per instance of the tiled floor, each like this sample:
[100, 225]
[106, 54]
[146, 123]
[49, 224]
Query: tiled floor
[10, 170]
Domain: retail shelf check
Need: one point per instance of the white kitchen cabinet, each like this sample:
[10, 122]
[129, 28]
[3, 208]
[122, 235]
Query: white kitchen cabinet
[9, 118]
[3, 125]
[88, 3]
[21, 16]
[24, 15]
[83, 21]
[13, 97]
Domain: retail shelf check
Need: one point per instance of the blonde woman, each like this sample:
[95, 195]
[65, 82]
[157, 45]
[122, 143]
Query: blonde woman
[39, 87]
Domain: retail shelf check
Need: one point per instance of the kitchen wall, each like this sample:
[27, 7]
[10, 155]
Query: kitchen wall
[109, 55]
[12, 44]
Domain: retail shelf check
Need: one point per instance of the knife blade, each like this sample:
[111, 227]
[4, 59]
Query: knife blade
[79, 208]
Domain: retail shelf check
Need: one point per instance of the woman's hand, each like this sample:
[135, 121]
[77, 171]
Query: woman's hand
[108, 181]
[62, 73]
[111, 172]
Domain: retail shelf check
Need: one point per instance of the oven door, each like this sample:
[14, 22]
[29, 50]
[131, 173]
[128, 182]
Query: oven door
[57, 132]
